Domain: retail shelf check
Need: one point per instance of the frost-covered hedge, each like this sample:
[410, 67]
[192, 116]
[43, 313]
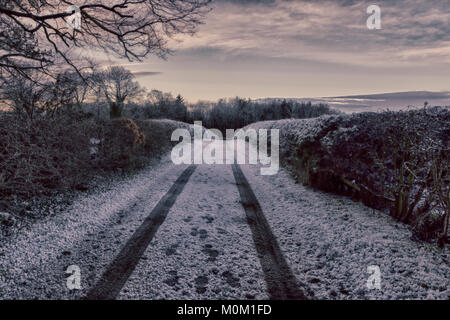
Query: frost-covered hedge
[391, 160]
[158, 134]
[49, 155]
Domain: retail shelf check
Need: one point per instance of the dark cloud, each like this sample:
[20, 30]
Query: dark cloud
[313, 48]
[421, 95]
[140, 74]
[304, 29]
[247, 2]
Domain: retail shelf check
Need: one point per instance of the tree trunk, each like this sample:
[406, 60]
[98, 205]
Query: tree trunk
[115, 111]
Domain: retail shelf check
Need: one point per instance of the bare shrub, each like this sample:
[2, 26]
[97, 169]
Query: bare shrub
[40, 156]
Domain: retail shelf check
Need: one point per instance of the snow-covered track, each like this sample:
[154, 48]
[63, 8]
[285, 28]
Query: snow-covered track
[118, 272]
[281, 282]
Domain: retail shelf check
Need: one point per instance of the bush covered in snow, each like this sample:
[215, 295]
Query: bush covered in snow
[391, 160]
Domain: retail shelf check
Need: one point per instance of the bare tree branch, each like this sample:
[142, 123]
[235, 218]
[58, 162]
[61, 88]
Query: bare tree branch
[35, 34]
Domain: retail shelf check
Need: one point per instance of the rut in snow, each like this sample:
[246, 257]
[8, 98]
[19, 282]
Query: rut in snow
[281, 282]
[118, 272]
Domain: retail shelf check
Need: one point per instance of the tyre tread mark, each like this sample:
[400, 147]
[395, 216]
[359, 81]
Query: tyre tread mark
[120, 269]
[281, 282]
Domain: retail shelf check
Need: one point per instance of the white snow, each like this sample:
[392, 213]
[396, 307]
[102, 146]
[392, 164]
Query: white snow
[204, 249]
[33, 263]
[329, 241]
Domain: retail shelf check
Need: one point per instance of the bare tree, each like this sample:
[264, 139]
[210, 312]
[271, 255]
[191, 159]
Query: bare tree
[117, 84]
[38, 94]
[34, 34]
[81, 89]
[23, 96]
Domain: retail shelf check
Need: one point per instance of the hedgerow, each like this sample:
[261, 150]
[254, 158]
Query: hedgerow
[49, 155]
[391, 160]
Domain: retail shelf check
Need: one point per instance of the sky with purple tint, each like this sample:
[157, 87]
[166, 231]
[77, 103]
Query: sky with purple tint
[306, 48]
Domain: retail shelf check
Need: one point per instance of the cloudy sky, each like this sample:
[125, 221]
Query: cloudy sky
[306, 48]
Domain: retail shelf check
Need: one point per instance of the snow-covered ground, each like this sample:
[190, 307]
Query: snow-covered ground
[89, 234]
[330, 241]
[204, 248]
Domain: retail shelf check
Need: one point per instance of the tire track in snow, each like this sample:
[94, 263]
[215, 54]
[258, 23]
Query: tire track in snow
[118, 272]
[281, 282]
[204, 250]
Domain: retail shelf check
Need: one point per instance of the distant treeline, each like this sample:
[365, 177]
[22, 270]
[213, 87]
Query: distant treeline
[225, 113]
[117, 94]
